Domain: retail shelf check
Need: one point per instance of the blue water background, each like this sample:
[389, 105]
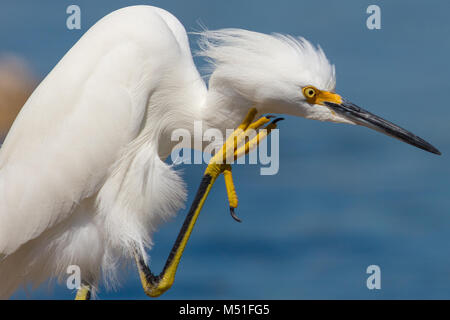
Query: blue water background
[345, 197]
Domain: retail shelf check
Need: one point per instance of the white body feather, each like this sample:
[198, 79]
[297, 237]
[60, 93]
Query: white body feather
[79, 185]
[82, 175]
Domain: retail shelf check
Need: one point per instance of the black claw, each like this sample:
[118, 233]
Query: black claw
[270, 116]
[233, 215]
[277, 120]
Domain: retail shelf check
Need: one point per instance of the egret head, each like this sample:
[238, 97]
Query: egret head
[282, 74]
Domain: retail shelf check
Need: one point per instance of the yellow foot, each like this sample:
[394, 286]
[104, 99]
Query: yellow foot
[84, 293]
[243, 140]
[235, 147]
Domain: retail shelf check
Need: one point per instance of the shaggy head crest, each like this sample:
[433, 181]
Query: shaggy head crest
[245, 57]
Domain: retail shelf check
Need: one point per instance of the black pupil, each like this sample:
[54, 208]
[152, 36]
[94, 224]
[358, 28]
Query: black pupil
[311, 92]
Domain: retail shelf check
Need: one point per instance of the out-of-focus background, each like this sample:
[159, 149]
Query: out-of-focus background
[17, 82]
[345, 197]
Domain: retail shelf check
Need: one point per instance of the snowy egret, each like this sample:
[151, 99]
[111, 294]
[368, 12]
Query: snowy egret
[82, 174]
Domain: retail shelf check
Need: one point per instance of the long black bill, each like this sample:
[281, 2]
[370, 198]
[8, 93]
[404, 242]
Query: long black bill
[367, 119]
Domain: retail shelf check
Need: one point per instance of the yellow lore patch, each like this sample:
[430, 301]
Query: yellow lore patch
[316, 96]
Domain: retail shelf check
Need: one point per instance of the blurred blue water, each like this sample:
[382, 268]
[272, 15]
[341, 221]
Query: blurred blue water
[345, 197]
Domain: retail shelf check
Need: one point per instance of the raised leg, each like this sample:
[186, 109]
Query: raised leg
[234, 147]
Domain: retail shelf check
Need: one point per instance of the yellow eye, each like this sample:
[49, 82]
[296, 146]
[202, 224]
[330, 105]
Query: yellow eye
[309, 92]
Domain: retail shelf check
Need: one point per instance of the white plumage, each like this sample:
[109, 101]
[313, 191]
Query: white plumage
[80, 175]
[82, 172]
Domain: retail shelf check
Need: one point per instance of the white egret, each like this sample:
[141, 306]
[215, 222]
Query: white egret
[82, 173]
